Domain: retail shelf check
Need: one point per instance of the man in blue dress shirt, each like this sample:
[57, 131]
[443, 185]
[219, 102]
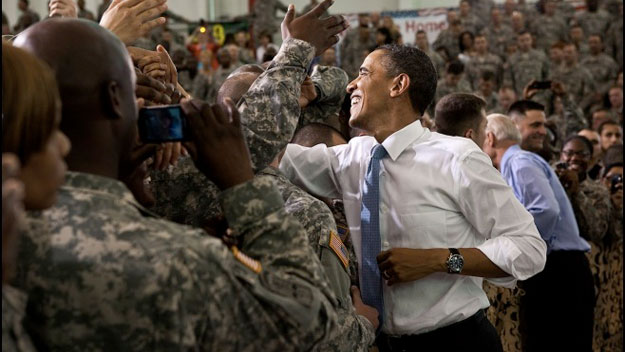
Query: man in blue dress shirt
[556, 312]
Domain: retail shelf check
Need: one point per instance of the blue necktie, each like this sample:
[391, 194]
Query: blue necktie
[371, 285]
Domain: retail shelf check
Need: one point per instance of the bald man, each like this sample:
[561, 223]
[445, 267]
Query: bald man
[133, 281]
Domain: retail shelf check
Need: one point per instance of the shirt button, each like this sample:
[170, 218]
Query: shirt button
[384, 208]
[386, 245]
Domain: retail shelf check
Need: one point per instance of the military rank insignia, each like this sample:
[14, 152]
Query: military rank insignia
[253, 264]
[339, 248]
[343, 231]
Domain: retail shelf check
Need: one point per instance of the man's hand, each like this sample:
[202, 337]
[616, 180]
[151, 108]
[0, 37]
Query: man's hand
[136, 184]
[132, 19]
[362, 309]
[569, 180]
[167, 154]
[309, 93]
[63, 8]
[218, 147]
[325, 33]
[558, 89]
[408, 264]
[152, 91]
[157, 64]
[528, 92]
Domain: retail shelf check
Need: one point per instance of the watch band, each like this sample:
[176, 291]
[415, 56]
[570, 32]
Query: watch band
[454, 251]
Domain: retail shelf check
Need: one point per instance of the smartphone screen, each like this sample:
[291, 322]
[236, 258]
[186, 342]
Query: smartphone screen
[161, 124]
[541, 85]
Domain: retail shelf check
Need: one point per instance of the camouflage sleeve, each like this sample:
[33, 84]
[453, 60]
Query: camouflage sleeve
[593, 212]
[270, 109]
[330, 83]
[573, 116]
[589, 89]
[291, 277]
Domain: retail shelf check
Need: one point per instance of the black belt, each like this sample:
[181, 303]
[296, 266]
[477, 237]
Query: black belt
[410, 342]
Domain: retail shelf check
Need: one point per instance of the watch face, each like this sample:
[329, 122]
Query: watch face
[455, 263]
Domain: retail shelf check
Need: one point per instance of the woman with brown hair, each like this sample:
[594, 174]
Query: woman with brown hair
[31, 113]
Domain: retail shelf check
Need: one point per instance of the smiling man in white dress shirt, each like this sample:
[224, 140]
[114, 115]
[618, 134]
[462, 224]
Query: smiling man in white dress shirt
[447, 219]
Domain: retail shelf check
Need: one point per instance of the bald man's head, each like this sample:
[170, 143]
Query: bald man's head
[236, 86]
[96, 84]
[318, 133]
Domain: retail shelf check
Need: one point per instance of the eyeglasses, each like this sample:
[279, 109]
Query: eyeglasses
[570, 153]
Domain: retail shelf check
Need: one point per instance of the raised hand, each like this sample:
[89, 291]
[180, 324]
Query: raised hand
[326, 30]
[132, 19]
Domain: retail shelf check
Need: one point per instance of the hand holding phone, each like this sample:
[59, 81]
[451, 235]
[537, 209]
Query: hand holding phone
[162, 124]
[540, 85]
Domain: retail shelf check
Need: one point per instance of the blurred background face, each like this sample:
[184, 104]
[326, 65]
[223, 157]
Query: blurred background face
[517, 21]
[495, 16]
[616, 97]
[465, 8]
[594, 44]
[525, 42]
[569, 55]
[421, 41]
[509, 6]
[451, 16]
[363, 21]
[577, 34]
[593, 137]
[22, 5]
[481, 45]
[577, 155]
[452, 79]
[506, 98]
[329, 57]
[555, 55]
[234, 52]
[550, 8]
[610, 135]
[467, 41]
[486, 86]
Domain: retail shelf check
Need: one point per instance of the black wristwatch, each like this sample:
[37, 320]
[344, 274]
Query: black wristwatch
[455, 261]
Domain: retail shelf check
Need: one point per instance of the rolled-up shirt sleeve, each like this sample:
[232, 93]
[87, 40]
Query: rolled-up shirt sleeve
[513, 242]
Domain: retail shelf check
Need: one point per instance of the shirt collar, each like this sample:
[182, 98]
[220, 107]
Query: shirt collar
[508, 154]
[396, 143]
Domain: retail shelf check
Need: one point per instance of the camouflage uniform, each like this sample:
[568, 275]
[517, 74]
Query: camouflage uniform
[103, 274]
[438, 61]
[592, 210]
[14, 337]
[355, 332]
[448, 40]
[442, 89]
[614, 41]
[523, 67]
[338, 211]
[220, 75]
[578, 82]
[204, 88]
[471, 23]
[481, 8]
[269, 114]
[352, 48]
[478, 64]
[565, 10]
[593, 22]
[498, 39]
[330, 83]
[548, 30]
[603, 70]
[571, 121]
[264, 17]
[492, 101]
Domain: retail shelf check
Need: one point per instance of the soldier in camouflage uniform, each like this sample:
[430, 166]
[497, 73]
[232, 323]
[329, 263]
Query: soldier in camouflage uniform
[498, 33]
[264, 17]
[330, 84]
[453, 82]
[355, 332]
[354, 44]
[577, 36]
[449, 38]
[486, 90]
[593, 20]
[525, 65]
[577, 79]
[614, 38]
[482, 61]
[482, 8]
[421, 42]
[470, 22]
[14, 336]
[153, 277]
[548, 28]
[570, 119]
[602, 67]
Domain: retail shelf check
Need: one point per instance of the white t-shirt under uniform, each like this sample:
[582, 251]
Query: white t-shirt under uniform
[436, 191]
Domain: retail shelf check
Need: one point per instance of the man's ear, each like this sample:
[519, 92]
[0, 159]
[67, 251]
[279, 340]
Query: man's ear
[490, 140]
[113, 99]
[400, 85]
[468, 133]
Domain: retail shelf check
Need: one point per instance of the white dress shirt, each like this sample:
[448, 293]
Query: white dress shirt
[436, 191]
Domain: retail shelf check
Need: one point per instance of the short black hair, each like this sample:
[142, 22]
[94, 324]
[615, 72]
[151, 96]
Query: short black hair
[387, 34]
[583, 139]
[457, 112]
[487, 75]
[522, 106]
[523, 32]
[419, 68]
[606, 123]
[455, 67]
[316, 133]
[460, 43]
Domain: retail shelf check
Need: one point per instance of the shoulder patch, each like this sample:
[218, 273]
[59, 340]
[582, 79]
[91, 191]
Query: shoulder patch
[252, 264]
[343, 232]
[339, 248]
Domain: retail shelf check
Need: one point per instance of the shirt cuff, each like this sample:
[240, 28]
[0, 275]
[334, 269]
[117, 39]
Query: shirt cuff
[246, 203]
[293, 52]
[503, 253]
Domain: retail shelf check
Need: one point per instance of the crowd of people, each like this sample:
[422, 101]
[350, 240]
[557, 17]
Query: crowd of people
[348, 189]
